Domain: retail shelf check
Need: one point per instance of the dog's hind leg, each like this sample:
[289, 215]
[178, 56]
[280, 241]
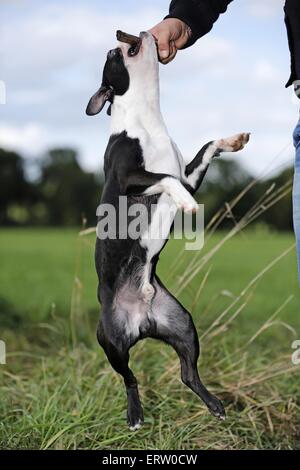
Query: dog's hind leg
[174, 325]
[196, 170]
[118, 356]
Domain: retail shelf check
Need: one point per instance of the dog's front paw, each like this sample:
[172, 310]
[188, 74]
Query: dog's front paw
[233, 144]
[189, 207]
[180, 195]
[187, 204]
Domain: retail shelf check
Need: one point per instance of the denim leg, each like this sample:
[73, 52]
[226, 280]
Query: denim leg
[296, 193]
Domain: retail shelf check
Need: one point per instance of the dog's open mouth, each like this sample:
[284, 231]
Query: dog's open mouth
[134, 42]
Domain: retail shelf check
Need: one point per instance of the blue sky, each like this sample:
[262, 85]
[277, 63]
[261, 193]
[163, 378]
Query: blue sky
[51, 59]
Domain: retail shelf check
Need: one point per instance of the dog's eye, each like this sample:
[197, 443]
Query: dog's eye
[131, 50]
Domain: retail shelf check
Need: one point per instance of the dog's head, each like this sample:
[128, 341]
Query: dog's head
[129, 69]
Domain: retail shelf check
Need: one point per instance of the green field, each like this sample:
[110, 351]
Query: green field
[58, 391]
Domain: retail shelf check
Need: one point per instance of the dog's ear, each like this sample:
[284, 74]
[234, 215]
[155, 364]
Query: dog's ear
[98, 100]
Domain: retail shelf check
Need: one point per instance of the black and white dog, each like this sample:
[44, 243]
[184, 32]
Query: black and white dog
[143, 163]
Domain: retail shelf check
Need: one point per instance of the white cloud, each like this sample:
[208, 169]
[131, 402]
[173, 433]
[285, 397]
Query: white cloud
[264, 71]
[2, 92]
[265, 8]
[56, 37]
[213, 55]
[31, 137]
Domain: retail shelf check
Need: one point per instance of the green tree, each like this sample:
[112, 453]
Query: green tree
[69, 193]
[16, 194]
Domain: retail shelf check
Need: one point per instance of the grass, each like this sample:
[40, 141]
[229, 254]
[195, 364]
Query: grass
[59, 392]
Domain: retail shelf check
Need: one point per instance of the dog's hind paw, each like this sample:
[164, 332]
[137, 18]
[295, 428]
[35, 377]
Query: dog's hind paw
[136, 426]
[216, 408]
[135, 417]
[233, 144]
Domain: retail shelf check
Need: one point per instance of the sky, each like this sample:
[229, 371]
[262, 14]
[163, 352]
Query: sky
[52, 55]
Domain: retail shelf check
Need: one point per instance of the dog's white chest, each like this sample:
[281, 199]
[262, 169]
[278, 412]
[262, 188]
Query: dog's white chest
[160, 156]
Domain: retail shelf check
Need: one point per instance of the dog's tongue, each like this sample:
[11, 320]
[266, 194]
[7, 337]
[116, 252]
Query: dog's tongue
[128, 38]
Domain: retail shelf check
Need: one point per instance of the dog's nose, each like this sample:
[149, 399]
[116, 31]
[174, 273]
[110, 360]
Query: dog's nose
[114, 53]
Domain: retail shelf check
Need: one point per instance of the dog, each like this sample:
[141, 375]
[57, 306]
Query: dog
[142, 163]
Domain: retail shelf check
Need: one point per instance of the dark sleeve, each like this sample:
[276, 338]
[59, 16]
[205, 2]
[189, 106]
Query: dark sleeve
[292, 21]
[199, 15]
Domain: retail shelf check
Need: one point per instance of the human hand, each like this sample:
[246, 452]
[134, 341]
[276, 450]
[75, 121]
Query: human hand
[171, 34]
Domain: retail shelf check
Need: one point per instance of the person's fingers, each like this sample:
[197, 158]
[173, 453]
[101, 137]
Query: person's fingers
[170, 34]
[171, 49]
[183, 39]
[169, 58]
[163, 44]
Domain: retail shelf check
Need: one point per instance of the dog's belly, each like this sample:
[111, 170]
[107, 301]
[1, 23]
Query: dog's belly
[131, 309]
[136, 314]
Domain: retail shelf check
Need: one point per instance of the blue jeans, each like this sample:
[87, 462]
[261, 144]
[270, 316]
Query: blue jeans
[296, 193]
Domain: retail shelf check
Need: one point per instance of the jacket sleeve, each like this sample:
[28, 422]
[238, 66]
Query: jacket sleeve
[292, 21]
[199, 15]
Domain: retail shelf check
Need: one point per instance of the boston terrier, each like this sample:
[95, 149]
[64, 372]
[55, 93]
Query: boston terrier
[143, 163]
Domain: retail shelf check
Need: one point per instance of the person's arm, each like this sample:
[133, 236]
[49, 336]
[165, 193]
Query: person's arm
[292, 20]
[187, 21]
[199, 15]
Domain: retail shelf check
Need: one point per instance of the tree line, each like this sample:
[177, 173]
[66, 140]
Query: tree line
[62, 193]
